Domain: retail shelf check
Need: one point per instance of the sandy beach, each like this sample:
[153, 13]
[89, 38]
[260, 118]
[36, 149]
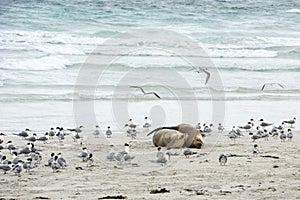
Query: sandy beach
[198, 177]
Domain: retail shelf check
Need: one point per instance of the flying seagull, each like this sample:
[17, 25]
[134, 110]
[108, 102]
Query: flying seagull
[145, 93]
[204, 70]
[263, 87]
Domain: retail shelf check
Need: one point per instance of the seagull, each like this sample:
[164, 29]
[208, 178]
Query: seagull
[36, 156]
[187, 152]
[208, 129]
[220, 128]
[255, 150]
[4, 161]
[232, 135]
[263, 87]
[237, 131]
[90, 160]
[161, 158]
[60, 134]
[51, 133]
[77, 129]
[15, 159]
[23, 133]
[44, 138]
[128, 157]
[75, 136]
[28, 165]
[55, 166]
[205, 70]
[282, 136]
[198, 126]
[265, 135]
[146, 93]
[61, 161]
[291, 122]
[51, 159]
[146, 125]
[264, 124]
[10, 145]
[130, 124]
[222, 159]
[84, 154]
[17, 168]
[247, 127]
[289, 135]
[110, 155]
[108, 132]
[32, 138]
[5, 168]
[274, 133]
[97, 131]
[26, 150]
[119, 156]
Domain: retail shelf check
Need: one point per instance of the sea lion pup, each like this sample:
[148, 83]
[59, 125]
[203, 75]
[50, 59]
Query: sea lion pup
[182, 135]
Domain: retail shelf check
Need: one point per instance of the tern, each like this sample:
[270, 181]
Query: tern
[204, 70]
[271, 84]
[146, 93]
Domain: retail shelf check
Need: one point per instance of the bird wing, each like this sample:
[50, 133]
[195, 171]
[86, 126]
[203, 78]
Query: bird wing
[207, 75]
[280, 85]
[138, 88]
[156, 95]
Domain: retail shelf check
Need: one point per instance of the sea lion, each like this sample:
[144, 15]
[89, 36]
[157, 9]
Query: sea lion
[183, 135]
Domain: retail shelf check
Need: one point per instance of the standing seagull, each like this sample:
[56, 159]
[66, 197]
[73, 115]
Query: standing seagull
[17, 169]
[222, 159]
[108, 132]
[161, 158]
[289, 135]
[147, 124]
[220, 128]
[282, 136]
[84, 154]
[264, 124]
[255, 150]
[145, 93]
[97, 131]
[247, 127]
[263, 87]
[291, 122]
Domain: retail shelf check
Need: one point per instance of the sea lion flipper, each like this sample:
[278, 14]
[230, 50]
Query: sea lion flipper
[155, 130]
[160, 128]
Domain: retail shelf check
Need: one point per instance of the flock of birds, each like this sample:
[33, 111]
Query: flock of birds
[207, 73]
[32, 158]
[260, 130]
[32, 154]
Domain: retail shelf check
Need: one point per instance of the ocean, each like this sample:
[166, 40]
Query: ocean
[45, 45]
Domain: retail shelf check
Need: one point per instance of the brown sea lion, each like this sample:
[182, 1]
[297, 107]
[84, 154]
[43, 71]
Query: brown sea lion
[183, 135]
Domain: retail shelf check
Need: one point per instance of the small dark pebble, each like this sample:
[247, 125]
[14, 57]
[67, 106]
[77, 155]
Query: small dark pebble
[275, 166]
[201, 192]
[272, 188]
[40, 197]
[7, 199]
[224, 192]
[78, 168]
[114, 197]
[157, 191]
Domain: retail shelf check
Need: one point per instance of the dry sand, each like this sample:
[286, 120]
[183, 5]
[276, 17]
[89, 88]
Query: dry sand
[197, 177]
